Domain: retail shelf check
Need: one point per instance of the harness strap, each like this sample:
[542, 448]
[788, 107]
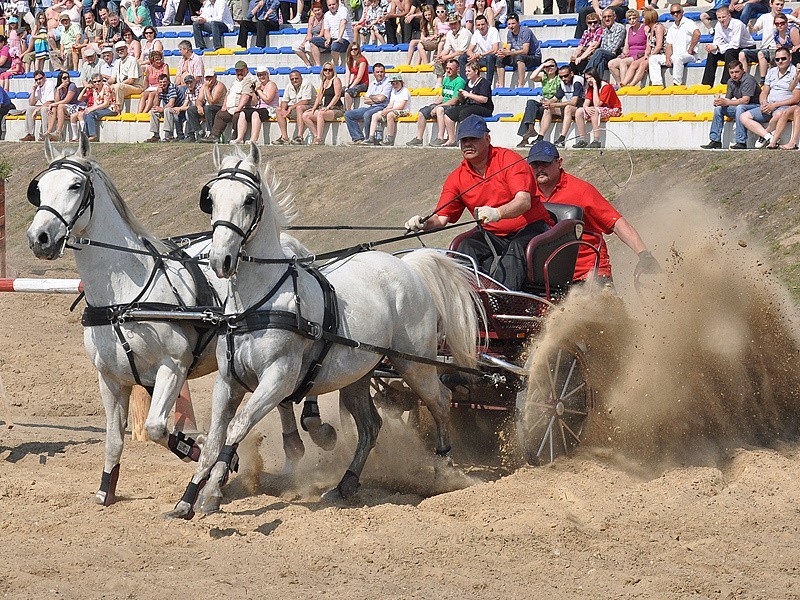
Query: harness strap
[128, 353]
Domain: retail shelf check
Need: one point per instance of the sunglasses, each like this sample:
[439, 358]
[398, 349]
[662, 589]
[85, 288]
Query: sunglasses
[781, 22]
[38, 78]
[327, 70]
[149, 32]
[564, 76]
[676, 12]
[590, 23]
[784, 59]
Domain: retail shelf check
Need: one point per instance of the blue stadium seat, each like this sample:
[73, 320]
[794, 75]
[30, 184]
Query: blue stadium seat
[526, 92]
[168, 34]
[707, 38]
[286, 50]
[503, 91]
[387, 48]
[303, 70]
[550, 23]
[316, 70]
[369, 48]
[530, 23]
[569, 21]
[283, 70]
[185, 34]
[402, 47]
[23, 95]
[272, 50]
[255, 50]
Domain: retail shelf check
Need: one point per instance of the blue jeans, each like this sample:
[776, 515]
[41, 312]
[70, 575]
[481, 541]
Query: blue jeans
[91, 119]
[215, 28]
[717, 123]
[751, 11]
[354, 117]
[490, 62]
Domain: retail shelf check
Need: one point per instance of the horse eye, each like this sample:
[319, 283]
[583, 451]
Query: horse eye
[248, 201]
[75, 186]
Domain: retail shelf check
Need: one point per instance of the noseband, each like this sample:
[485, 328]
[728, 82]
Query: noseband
[87, 192]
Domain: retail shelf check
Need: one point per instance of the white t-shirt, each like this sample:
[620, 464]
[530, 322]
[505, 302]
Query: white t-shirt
[397, 97]
[332, 22]
[484, 44]
[681, 36]
[766, 25]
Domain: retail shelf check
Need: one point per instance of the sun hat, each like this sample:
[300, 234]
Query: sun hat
[262, 69]
[13, 20]
[240, 64]
[543, 151]
[64, 15]
[120, 44]
[472, 127]
[106, 49]
[89, 51]
[454, 18]
[209, 72]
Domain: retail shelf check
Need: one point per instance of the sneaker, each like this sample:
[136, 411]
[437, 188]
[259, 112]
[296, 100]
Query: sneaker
[539, 138]
[209, 139]
[371, 141]
[414, 142]
[437, 142]
[595, 144]
[389, 141]
[523, 142]
[297, 141]
[153, 139]
[560, 142]
[168, 138]
[294, 21]
[93, 138]
[763, 141]
[179, 138]
[580, 144]
[738, 146]
[356, 143]
[27, 138]
[280, 142]
[712, 145]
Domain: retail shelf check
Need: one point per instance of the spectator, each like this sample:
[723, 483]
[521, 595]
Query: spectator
[298, 14]
[429, 35]
[104, 106]
[396, 107]
[730, 36]
[38, 36]
[65, 102]
[189, 93]
[394, 18]
[589, 42]
[746, 10]
[611, 43]
[451, 84]
[107, 63]
[70, 34]
[112, 29]
[263, 109]
[742, 95]
[92, 30]
[327, 106]
[656, 34]
[168, 99]
[41, 46]
[375, 100]
[85, 100]
[357, 80]
[783, 119]
[10, 62]
[563, 6]
[214, 18]
[126, 77]
[475, 98]
[601, 103]
[298, 97]
[682, 38]
[241, 94]
[152, 73]
[90, 67]
[633, 51]
[305, 48]
[456, 44]
[553, 184]
[707, 18]
[619, 7]
[39, 100]
[337, 33]
[765, 55]
[189, 63]
[547, 75]
[134, 47]
[137, 17]
[778, 94]
[569, 97]
[6, 106]
[371, 28]
[500, 9]
[466, 13]
[261, 18]
[787, 36]
[484, 46]
[151, 43]
[482, 8]
[522, 50]
[210, 99]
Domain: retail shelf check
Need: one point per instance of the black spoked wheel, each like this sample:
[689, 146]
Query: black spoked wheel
[552, 411]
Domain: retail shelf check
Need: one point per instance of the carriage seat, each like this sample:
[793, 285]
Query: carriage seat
[561, 267]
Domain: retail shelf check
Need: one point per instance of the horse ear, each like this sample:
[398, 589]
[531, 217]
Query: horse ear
[216, 156]
[255, 154]
[83, 146]
[49, 151]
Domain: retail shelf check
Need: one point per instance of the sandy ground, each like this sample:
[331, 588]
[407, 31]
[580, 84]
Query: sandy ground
[686, 488]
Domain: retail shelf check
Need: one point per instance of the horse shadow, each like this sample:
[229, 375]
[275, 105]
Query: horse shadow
[43, 449]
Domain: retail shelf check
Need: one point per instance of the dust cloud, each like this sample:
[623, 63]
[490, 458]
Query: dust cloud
[704, 360]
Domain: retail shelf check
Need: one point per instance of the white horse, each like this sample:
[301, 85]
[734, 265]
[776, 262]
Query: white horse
[75, 196]
[406, 305]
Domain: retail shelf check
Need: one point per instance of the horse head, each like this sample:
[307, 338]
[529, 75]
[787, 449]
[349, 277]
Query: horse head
[63, 196]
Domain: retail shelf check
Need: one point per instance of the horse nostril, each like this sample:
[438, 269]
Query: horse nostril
[43, 239]
[227, 263]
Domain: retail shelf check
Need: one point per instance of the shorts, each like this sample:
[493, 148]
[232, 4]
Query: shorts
[427, 111]
[341, 47]
[430, 44]
[761, 117]
[264, 113]
[531, 60]
[74, 108]
[712, 14]
[319, 42]
[606, 113]
[356, 90]
[400, 113]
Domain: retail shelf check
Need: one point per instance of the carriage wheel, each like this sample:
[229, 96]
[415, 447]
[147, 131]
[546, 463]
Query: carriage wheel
[552, 411]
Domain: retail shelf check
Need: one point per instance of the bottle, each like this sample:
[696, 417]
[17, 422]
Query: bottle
[379, 131]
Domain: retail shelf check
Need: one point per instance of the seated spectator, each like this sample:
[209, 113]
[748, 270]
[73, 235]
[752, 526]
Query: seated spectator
[41, 46]
[241, 94]
[371, 28]
[430, 37]
[633, 50]
[451, 85]
[134, 47]
[337, 33]
[38, 32]
[611, 42]
[261, 18]
[10, 63]
[210, 99]
[484, 46]
[547, 75]
[41, 96]
[601, 103]
[305, 48]
[765, 55]
[92, 31]
[394, 19]
[297, 98]
[707, 18]
[681, 48]
[136, 17]
[742, 95]
[730, 36]
[152, 73]
[69, 34]
[777, 95]
[168, 99]
[65, 103]
[328, 104]
[596, 9]
[264, 107]
[747, 10]
[175, 11]
[522, 50]
[150, 44]
[6, 106]
[104, 106]
[465, 13]
[569, 97]
[90, 67]
[588, 43]
[475, 98]
[455, 46]
[483, 8]
[396, 107]
[189, 92]
[656, 34]
[107, 62]
[85, 100]
[787, 36]
[357, 79]
[215, 19]
[126, 77]
[500, 10]
[189, 63]
[112, 29]
[375, 100]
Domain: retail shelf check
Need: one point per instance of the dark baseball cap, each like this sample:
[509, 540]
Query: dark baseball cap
[472, 127]
[543, 151]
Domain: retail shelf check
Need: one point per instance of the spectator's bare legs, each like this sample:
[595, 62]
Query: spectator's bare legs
[391, 124]
[749, 123]
[301, 124]
[566, 122]
[792, 145]
[308, 121]
[241, 128]
[438, 112]
[594, 115]
[423, 54]
[73, 125]
[255, 127]
[281, 115]
[763, 65]
[303, 56]
[376, 118]
[500, 73]
[422, 122]
[521, 69]
[615, 65]
[450, 127]
[316, 56]
[547, 120]
[581, 116]
[781, 120]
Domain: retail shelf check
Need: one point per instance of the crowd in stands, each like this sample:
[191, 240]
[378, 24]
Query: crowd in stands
[114, 48]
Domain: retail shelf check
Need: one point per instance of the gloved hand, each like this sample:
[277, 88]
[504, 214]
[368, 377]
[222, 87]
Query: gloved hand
[647, 264]
[487, 214]
[415, 223]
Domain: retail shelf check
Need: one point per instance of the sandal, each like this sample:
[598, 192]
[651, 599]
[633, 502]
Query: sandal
[298, 141]
[317, 142]
[787, 147]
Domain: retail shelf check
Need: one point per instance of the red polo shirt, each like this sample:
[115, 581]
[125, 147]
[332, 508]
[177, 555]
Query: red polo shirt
[599, 217]
[492, 189]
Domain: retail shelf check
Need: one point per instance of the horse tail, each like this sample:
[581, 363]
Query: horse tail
[458, 306]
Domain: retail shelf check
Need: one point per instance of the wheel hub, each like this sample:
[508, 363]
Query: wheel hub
[559, 408]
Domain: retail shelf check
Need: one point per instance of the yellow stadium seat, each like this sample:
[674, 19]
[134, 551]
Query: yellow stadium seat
[211, 53]
[687, 116]
[662, 116]
[225, 52]
[677, 89]
[621, 118]
[112, 118]
[143, 117]
[425, 91]
[425, 69]
[720, 88]
[700, 89]
[406, 69]
[628, 90]
[655, 90]
[633, 90]
[705, 116]
[128, 117]
[412, 118]
[511, 119]
[641, 118]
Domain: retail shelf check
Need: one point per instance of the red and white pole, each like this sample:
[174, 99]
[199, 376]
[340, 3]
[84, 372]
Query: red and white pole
[41, 286]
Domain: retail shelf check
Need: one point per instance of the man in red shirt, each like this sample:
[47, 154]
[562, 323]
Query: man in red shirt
[553, 184]
[494, 185]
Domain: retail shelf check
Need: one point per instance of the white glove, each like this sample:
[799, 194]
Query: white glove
[487, 214]
[415, 223]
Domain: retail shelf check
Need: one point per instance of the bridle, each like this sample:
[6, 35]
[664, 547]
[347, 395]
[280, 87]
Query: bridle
[86, 188]
[253, 181]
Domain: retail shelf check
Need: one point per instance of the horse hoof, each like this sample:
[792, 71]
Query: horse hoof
[347, 487]
[182, 510]
[324, 436]
[332, 496]
[293, 447]
[104, 498]
[210, 504]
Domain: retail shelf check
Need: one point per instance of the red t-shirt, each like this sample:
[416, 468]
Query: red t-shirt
[492, 190]
[599, 217]
[608, 96]
[354, 70]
